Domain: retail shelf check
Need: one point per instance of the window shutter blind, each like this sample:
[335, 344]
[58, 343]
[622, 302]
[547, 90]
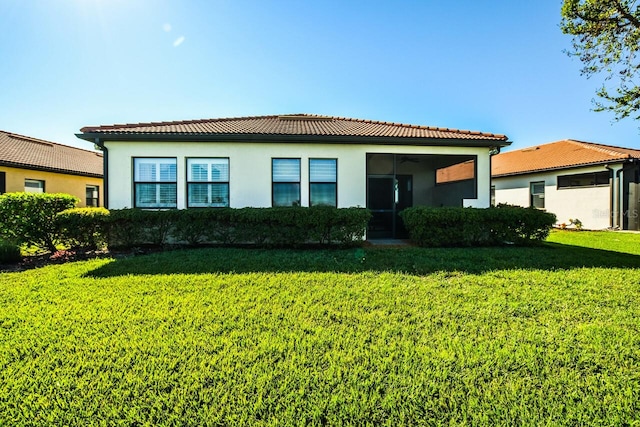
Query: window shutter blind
[167, 172]
[219, 170]
[208, 170]
[286, 170]
[145, 171]
[198, 172]
[322, 170]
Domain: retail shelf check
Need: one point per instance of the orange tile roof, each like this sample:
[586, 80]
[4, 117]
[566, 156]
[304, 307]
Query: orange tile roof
[558, 155]
[293, 124]
[31, 153]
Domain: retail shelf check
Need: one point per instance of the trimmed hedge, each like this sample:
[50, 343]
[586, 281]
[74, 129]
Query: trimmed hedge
[494, 226]
[128, 228]
[83, 228]
[267, 227]
[30, 218]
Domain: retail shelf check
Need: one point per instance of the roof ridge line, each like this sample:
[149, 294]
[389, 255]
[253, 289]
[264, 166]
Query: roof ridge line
[614, 146]
[412, 126]
[602, 148]
[589, 145]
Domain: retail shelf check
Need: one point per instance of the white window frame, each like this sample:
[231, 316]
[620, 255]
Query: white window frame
[211, 180]
[33, 185]
[325, 180]
[277, 181]
[161, 183]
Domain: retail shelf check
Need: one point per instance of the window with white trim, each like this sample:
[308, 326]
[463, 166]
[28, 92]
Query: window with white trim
[537, 194]
[33, 186]
[285, 179]
[208, 182]
[92, 192]
[323, 188]
[155, 182]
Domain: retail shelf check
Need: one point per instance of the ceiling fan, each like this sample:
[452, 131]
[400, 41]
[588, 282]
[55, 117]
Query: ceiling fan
[405, 159]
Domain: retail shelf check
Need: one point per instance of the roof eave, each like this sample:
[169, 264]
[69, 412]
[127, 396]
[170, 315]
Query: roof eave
[19, 165]
[329, 139]
[581, 165]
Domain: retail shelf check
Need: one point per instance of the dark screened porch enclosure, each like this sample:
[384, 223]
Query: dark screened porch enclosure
[399, 181]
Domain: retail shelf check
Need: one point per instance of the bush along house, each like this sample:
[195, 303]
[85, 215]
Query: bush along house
[295, 160]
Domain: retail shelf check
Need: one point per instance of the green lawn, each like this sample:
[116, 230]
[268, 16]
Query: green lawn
[546, 335]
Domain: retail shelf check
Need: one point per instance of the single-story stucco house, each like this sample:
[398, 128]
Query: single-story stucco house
[299, 159]
[37, 166]
[595, 183]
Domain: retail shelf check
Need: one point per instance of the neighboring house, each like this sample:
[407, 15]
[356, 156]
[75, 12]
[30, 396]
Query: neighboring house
[292, 160]
[38, 166]
[595, 183]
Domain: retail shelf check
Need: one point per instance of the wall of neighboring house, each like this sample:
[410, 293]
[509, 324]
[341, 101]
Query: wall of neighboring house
[589, 204]
[250, 168]
[53, 183]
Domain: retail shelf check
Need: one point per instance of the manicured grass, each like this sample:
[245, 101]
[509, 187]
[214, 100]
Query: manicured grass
[492, 336]
[626, 242]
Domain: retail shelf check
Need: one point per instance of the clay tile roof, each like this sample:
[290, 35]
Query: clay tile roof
[292, 124]
[31, 153]
[558, 155]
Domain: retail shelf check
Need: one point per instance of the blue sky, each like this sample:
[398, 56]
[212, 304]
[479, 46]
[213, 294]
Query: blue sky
[494, 65]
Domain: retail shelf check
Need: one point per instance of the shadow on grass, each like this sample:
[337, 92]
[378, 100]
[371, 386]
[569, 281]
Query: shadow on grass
[549, 256]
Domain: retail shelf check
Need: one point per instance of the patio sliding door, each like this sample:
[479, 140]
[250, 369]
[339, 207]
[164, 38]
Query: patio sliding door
[388, 193]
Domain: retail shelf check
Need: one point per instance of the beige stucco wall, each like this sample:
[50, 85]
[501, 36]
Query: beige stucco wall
[591, 205]
[53, 182]
[250, 168]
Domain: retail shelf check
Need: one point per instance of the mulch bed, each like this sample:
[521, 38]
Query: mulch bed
[60, 257]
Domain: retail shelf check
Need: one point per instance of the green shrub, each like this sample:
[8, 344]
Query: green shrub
[83, 228]
[287, 226]
[191, 226]
[9, 252]
[270, 227]
[135, 227]
[31, 217]
[157, 226]
[342, 226]
[222, 226]
[207, 225]
[123, 229]
[297, 226]
[476, 227]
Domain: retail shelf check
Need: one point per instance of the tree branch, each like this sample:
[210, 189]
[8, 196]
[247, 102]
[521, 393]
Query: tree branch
[632, 19]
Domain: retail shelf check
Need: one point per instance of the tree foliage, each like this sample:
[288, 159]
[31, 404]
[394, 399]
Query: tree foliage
[606, 36]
